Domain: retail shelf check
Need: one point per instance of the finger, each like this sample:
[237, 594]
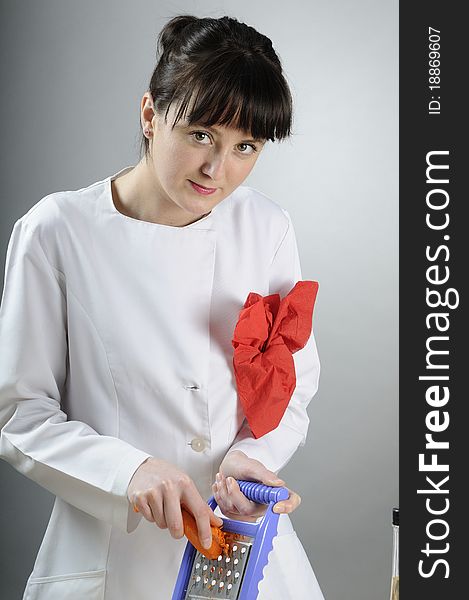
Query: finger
[252, 511]
[220, 504]
[226, 497]
[274, 482]
[202, 513]
[155, 503]
[240, 503]
[215, 493]
[221, 495]
[272, 479]
[172, 510]
[254, 470]
[140, 504]
[203, 519]
[134, 501]
[215, 520]
[241, 510]
[220, 480]
[288, 505]
[234, 504]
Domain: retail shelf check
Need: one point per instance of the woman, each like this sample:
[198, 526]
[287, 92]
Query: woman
[120, 301]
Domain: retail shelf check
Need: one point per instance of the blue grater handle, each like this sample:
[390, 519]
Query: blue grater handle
[262, 533]
[263, 494]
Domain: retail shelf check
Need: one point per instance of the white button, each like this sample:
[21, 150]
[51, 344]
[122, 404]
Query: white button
[198, 444]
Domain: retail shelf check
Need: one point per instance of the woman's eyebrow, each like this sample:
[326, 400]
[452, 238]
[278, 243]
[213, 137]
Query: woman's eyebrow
[214, 130]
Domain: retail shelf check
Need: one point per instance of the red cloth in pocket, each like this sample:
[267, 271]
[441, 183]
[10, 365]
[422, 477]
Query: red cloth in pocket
[269, 330]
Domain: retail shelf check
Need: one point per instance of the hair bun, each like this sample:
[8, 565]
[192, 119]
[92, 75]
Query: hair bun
[172, 30]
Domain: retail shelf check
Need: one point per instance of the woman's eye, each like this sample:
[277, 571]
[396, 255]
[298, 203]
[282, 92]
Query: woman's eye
[199, 136]
[203, 138]
[247, 146]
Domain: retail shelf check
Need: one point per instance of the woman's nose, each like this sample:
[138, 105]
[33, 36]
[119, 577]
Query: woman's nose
[214, 167]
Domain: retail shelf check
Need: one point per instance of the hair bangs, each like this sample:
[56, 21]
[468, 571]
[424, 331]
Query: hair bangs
[237, 93]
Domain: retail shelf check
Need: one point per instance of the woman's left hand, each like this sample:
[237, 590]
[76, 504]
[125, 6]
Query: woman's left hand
[232, 502]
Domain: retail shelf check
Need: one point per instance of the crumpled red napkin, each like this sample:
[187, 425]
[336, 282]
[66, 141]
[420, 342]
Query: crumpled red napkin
[269, 330]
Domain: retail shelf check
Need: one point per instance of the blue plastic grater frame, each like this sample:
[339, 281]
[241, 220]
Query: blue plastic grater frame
[262, 533]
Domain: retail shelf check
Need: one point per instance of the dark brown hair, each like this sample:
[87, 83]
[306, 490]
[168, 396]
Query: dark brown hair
[226, 71]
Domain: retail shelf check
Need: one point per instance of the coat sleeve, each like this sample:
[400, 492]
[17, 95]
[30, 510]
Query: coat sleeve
[68, 458]
[276, 448]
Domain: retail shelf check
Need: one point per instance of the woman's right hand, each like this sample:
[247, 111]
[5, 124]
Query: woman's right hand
[159, 488]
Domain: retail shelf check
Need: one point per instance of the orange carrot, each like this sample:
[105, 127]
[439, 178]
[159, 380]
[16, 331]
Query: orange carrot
[219, 545]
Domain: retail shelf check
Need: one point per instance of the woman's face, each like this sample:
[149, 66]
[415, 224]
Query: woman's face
[218, 158]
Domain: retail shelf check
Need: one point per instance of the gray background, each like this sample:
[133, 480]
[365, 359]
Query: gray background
[73, 74]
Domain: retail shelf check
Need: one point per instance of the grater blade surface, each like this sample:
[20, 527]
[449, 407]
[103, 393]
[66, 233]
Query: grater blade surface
[220, 578]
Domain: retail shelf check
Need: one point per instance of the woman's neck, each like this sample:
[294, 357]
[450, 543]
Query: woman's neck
[137, 194]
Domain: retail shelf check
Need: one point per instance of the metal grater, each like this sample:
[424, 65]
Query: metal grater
[222, 576]
[237, 575]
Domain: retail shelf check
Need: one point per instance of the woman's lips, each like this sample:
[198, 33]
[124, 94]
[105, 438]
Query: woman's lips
[201, 189]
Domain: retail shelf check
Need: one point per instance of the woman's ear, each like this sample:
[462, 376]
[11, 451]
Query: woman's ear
[147, 111]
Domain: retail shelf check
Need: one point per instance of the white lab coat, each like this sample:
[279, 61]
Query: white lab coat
[116, 346]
